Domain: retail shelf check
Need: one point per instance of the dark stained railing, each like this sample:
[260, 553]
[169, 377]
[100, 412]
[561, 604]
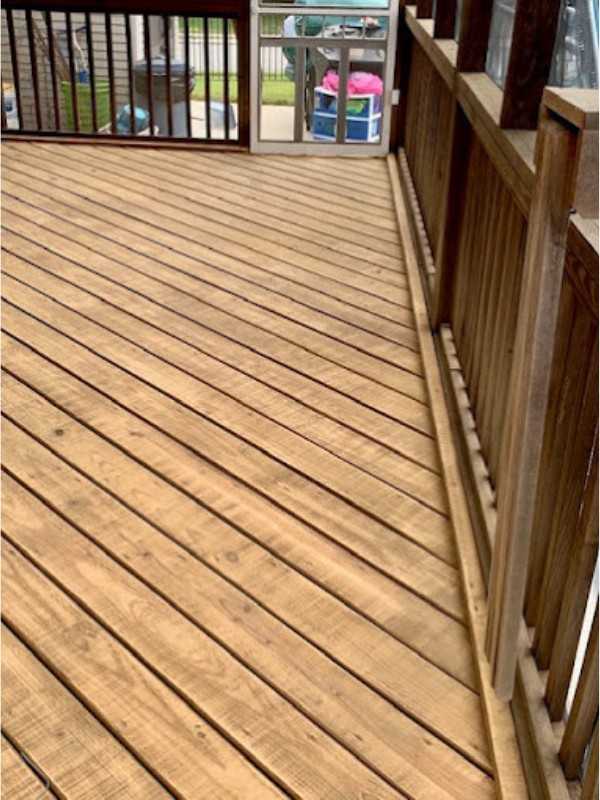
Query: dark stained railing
[123, 71]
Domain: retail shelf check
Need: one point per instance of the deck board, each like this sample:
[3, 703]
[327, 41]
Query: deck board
[221, 474]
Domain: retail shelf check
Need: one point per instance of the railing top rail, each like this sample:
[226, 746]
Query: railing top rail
[178, 7]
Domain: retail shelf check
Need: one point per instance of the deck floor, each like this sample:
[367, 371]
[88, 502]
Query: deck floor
[228, 566]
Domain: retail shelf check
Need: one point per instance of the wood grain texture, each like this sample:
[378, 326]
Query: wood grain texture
[19, 780]
[77, 754]
[225, 484]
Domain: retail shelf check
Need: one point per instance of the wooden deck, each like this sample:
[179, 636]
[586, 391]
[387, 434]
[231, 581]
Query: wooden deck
[229, 569]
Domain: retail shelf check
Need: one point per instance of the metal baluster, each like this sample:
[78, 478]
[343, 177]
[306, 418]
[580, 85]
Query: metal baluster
[207, 78]
[166, 30]
[92, 73]
[188, 99]
[34, 68]
[148, 57]
[111, 72]
[129, 43]
[52, 57]
[10, 23]
[74, 96]
[226, 76]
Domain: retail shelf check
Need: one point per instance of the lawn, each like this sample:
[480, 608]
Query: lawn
[276, 91]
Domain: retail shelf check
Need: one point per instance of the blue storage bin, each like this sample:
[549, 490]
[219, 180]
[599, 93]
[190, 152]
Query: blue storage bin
[357, 130]
[362, 106]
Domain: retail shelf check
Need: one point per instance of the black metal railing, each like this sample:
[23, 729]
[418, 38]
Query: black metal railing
[125, 71]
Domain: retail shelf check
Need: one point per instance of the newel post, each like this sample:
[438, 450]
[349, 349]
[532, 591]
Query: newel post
[560, 146]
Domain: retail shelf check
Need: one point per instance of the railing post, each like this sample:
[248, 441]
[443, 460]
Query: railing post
[532, 45]
[559, 147]
[474, 35]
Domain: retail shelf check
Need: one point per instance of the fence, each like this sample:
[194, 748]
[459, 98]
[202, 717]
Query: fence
[126, 70]
[511, 278]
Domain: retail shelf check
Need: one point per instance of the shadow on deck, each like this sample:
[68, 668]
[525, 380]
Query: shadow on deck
[229, 569]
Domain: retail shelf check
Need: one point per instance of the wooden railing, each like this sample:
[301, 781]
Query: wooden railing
[124, 71]
[503, 190]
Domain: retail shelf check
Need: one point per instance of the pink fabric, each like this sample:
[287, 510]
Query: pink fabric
[358, 83]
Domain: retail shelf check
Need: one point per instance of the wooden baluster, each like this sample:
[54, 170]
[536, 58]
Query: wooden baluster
[149, 78]
[577, 587]
[580, 725]
[583, 412]
[590, 783]
[167, 36]
[529, 384]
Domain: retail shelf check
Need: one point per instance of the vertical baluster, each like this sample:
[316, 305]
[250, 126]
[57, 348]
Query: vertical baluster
[74, 96]
[129, 44]
[226, 76]
[52, 59]
[166, 30]
[580, 725]
[92, 73]
[12, 41]
[342, 103]
[148, 57]
[111, 71]
[300, 95]
[207, 77]
[188, 99]
[34, 68]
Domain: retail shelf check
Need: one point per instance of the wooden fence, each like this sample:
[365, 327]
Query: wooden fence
[503, 190]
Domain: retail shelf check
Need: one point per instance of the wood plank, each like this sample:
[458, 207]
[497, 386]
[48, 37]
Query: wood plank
[367, 652]
[508, 768]
[179, 189]
[381, 736]
[235, 382]
[216, 298]
[213, 409]
[294, 752]
[303, 233]
[19, 781]
[157, 725]
[381, 600]
[314, 394]
[337, 283]
[284, 309]
[531, 49]
[77, 754]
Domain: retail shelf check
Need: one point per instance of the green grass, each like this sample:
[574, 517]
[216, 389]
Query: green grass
[276, 92]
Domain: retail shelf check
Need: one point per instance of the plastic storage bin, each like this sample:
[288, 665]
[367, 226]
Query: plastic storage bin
[363, 117]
